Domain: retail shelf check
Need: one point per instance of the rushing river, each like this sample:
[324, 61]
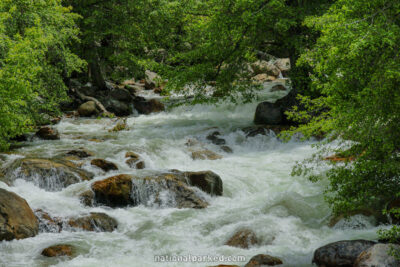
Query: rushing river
[287, 213]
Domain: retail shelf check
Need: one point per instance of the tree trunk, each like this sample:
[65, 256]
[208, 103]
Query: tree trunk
[95, 73]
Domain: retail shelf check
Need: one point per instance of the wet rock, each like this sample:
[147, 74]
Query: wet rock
[135, 164]
[262, 260]
[121, 95]
[269, 113]
[88, 109]
[17, 220]
[263, 77]
[264, 130]
[283, 64]
[52, 175]
[114, 191]
[226, 149]
[341, 253]
[134, 160]
[80, 153]
[243, 239]
[95, 222]
[364, 212]
[224, 265]
[161, 190]
[105, 165]
[205, 154]
[146, 107]
[48, 133]
[378, 255]
[215, 139]
[119, 108]
[207, 181]
[120, 126]
[87, 198]
[278, 87]
[58, 251]
[48, 224]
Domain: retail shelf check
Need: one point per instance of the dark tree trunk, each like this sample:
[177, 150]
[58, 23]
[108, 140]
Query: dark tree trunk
[96, 76]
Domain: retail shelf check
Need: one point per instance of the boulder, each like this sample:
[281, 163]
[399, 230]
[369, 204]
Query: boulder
[162, 190]
[243, 239]
[88, 109]
[48, 133]
[341, 253]
[146, 107]
[262, 260]
[52, 175]
[206, 181]
[269, 113]
[215, 139]
[119, 108]
[114, 191]
[95, 222]
[152, 80]
[80, 153]
[205, 154]
[17, 220]
[105, 165]
[267, 67]
[59, 250]
[378, 255]
[121, 94]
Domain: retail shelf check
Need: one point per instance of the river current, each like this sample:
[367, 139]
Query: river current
[288, 214]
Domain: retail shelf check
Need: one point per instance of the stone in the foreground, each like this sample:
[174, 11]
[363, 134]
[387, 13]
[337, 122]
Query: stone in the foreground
[262, 260]
[17, 220]
[341, 253]
[378, 255]
[58, 251]
[243, 239]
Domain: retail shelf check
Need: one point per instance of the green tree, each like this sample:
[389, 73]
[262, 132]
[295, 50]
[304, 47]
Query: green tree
[34, 59]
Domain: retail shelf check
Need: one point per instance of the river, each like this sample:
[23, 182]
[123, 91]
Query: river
[287, 213]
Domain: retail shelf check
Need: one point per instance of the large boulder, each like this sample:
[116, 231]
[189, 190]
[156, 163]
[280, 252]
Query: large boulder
[121, 95]
[378, 255]
[118, 107]
[341, 253]
[162, 190]
[48, 133]
[17, 220]
[206, 181]
[52, 175]
[95, 222]
[144, 106]
[88, 109]
[243, 238]
[273, 113]
[263, 260]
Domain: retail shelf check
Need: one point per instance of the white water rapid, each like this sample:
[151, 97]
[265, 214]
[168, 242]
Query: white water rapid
[287, 213]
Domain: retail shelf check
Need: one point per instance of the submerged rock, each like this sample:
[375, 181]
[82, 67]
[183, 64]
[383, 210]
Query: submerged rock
[272, 113]
[80, 153]
[52, 175]
[48, 133]
[341, 253]
[17, 220]
[96, 222]
[262, 260]
[207, 181]
[105, 165]
[162, 190]
[243, 239]
[59, 250]
[146, 107]
[48, 224]
[215, 139]
[378, 255]
[205, 154]
[134, 160]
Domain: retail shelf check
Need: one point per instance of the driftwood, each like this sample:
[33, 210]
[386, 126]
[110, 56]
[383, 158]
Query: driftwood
[90, 98]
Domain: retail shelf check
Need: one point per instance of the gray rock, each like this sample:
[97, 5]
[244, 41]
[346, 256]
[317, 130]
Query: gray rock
[341, 253]
[88, 109]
